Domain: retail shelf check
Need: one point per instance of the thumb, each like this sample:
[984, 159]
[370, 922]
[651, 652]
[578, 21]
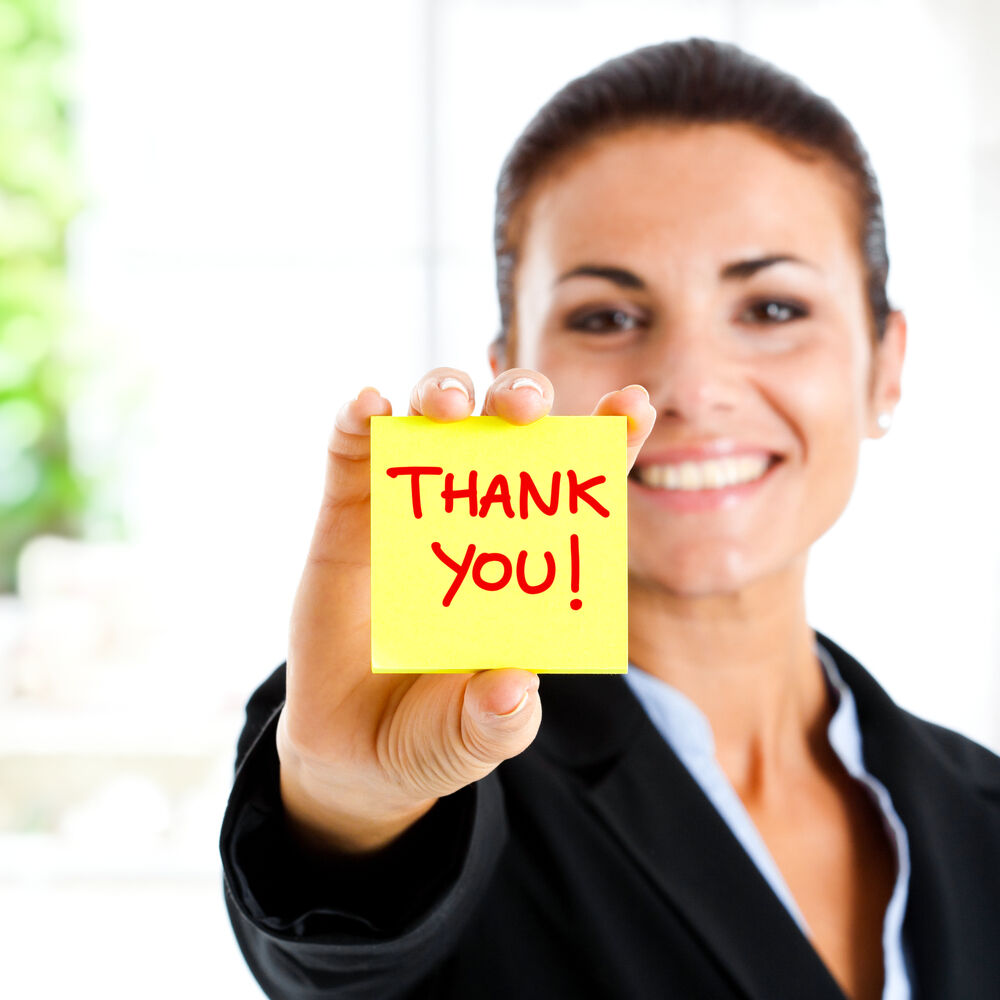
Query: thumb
[501, 714]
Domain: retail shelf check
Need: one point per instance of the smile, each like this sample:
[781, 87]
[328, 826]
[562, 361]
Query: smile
[712, 474]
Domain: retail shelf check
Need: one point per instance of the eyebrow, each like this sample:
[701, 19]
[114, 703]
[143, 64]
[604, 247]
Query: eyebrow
[737, 270]
[740, 269]
[617, 275]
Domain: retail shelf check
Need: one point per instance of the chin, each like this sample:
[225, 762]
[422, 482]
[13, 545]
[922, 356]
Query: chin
[695, 574]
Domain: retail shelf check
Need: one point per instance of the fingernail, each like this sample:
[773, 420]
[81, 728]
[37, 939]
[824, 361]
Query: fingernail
[526, 383]
[641, 388]
[450, 382]
[517, 708]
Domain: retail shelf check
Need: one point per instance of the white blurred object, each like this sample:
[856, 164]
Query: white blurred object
[128, 810]
[88, 620]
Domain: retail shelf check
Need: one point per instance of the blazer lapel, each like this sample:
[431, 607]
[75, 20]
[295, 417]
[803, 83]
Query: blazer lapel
[952, 829]
[662, 818]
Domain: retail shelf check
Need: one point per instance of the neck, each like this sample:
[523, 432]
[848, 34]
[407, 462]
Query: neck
[748, 661]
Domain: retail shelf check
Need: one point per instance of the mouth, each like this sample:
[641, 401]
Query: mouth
[691, 476]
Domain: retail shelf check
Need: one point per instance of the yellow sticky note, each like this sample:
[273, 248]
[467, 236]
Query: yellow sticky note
[499, 546]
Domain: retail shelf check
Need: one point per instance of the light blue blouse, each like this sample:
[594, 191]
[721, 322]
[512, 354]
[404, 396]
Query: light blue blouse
[687, 730]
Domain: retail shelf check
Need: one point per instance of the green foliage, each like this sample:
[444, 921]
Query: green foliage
[40, 491]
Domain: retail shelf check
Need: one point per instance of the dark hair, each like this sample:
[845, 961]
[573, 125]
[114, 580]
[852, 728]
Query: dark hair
[692, 81]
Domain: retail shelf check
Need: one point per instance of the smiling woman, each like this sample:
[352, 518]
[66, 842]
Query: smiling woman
[724, 275]
[688, 237]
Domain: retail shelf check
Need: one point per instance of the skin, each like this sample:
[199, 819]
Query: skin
[716, 597]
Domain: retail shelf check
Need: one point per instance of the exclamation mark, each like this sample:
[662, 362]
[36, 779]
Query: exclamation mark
[574, 571]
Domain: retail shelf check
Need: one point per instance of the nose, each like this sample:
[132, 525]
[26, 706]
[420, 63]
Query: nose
[692, 377]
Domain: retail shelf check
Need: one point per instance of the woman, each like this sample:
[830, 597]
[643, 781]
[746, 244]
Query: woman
[690, 238]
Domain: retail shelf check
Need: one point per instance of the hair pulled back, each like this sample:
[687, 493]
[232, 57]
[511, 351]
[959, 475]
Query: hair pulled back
[693, 81]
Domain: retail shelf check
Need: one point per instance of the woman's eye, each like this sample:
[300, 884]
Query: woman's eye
[773, 311]
[604, 321]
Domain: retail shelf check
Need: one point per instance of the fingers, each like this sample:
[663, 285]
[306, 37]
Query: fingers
[632, 402]
[347, 484]
[437, 735]
[443, 394]
[501, 714]
[519, 396]
[329, 644]
[349, 448]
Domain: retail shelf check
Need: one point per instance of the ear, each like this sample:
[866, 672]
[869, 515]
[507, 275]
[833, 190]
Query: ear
[887, 372]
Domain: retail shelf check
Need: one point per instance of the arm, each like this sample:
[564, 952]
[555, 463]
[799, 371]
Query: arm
[312, 924]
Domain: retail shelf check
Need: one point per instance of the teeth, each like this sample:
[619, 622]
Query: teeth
[715, 474]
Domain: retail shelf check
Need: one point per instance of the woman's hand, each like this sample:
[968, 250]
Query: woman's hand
[363, 756]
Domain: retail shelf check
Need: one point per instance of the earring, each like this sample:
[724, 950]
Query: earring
[884, 420]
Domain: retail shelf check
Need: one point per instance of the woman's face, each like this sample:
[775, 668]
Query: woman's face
[708, 264]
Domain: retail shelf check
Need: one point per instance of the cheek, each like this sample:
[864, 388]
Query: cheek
[824, 403]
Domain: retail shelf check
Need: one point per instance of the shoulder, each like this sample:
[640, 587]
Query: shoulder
[904, 740]
[975, 762]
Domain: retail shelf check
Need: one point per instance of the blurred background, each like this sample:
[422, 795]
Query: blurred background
[221, 218]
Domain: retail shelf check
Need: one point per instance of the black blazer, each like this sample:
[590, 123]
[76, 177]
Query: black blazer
[592, 865]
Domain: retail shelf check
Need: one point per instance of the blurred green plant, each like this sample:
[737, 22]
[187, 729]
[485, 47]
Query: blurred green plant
[40, 490]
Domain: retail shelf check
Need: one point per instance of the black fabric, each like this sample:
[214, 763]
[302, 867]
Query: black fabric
[593, 865]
